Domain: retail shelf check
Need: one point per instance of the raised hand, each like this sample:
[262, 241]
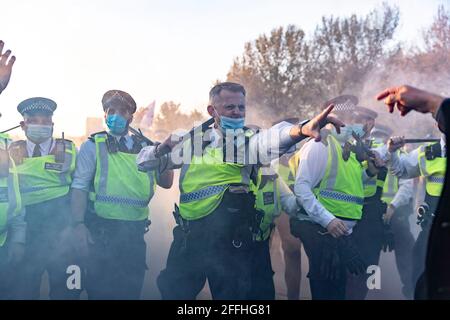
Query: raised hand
[406, 98]
[312, 128]
[6, 64]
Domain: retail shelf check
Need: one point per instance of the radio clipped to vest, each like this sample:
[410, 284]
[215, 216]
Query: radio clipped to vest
[60, 150]
[4, 160]
[433, 151]
[111, 144]
[138, 137]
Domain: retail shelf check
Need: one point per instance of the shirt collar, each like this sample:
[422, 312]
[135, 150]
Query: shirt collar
[43, 145]
[117, 137]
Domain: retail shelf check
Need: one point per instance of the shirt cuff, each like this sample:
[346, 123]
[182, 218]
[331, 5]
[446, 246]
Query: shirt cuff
[286, 140]
[80, 185]
[325, 220]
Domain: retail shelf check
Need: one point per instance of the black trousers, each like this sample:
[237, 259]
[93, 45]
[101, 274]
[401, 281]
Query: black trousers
[47, 250]
[314, 245]
[205, 251]
[116, 266]
[8, 275]
[404, 244]
[262, 285]
[368, 238]
[420, 253]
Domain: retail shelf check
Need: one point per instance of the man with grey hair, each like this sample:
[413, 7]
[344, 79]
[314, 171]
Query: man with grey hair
[216, 217]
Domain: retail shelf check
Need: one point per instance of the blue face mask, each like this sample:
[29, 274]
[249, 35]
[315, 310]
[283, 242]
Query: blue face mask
[227, 123]
[358, 129]
[38, 133]
[116, 123]
[344, 136]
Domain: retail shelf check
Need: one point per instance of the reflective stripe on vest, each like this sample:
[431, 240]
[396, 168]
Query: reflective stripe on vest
[205, 179]
[341, 197]
[202, 193]
[42, 179]
[121, 191]
[341, 190]
[433, 171]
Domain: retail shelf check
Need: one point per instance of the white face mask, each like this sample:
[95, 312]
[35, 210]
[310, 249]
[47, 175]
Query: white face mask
[38, 133]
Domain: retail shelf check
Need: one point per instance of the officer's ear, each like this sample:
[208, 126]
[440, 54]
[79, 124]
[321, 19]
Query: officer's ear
[22, 125]
[211, 111]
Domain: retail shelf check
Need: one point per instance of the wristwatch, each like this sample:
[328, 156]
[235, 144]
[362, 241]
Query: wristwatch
[300, 126]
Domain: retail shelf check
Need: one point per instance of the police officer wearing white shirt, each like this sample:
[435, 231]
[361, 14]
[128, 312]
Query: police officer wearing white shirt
[412, 165]
[325, 236]
[212, 239]
[45, 166]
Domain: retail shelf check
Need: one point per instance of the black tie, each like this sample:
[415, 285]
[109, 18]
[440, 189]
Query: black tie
[37, 151]
[122, 145]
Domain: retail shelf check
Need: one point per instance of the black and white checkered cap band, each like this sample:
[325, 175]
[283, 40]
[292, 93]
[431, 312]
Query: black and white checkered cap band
[37, 106]
[347, 106]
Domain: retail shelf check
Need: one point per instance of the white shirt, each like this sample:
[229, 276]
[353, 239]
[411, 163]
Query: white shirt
[405, 193]
[311, 170]
[46, 147]
[269, 144]
[406, 166]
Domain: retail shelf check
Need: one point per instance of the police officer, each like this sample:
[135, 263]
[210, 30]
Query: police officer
[214, 235]
[267, 202]
[428, 161]
[45, 166]
[368, 233]
[12, 224]
[384, 193]
[291, 246]
[398, 196]
[329, 194]
[110, 236]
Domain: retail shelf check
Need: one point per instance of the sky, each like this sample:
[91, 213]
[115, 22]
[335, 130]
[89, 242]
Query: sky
[74, 51]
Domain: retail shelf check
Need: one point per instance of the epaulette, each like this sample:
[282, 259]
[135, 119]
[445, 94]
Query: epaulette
[92, 136]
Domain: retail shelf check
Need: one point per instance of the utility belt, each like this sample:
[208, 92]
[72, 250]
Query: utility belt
[246, 219]
[303, 216]
[104, 229]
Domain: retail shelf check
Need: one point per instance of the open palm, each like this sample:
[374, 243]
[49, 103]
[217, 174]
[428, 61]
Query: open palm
[6, 65]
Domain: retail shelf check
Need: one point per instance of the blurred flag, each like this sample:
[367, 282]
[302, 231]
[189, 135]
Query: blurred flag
[147, 119]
